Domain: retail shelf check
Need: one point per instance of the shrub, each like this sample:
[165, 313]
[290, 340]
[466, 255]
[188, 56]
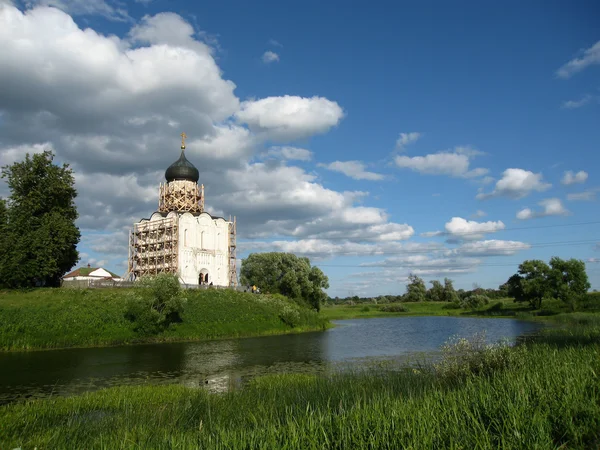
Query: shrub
[462, 357]
[475, 301]
[156, 303]
[365, 309]
[394, 307]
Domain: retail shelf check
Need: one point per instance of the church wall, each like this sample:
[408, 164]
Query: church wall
[203, 248]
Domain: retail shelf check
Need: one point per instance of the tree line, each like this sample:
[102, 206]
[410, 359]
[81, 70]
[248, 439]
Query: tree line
[535, 280]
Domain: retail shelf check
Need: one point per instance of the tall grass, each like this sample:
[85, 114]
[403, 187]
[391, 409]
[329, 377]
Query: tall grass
[58, 318]
[535, 395]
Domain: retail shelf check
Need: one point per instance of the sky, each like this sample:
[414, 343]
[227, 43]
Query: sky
[444, 139]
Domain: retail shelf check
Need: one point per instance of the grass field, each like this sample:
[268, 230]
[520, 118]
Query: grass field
[59, 318]
[506, 308]
[544, 393]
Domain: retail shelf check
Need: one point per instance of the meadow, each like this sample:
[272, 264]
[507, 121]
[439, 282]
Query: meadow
[61, 318]
[542, 393]
[502, 308]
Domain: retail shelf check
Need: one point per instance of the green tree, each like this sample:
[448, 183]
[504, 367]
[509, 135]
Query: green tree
[286, 274]
[449, 294]
[568, 280]
[39, 231]
[416, 290]
[436, 292]
[531, 283]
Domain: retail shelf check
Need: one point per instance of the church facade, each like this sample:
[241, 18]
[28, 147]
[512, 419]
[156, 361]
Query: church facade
[181, 237]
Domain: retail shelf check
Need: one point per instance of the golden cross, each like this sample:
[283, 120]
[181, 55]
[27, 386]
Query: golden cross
[183, 136]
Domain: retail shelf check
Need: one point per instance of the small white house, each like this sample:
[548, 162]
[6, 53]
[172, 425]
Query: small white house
[90, 273]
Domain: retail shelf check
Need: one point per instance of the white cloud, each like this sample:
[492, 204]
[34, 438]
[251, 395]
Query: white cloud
[588, 57]
[269, 57]
[551, 207]
[585, 196]
[454, 163]
[570, 178]
[322, 248]
[275, 43]
[407, 138]
[490, 247]
[352, 169]
[573, 104]
[85, 8]
[517, 183]
[479, 213]
[462, 229]
[290, 117]
[424, 265]
[290, 153]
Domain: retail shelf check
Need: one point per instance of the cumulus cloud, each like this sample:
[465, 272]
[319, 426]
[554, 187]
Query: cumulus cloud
[574, 104]
[114, 108]
[407, 138]
[571, 178]
[424, 265]
[589, 56]
[352, 169]
[462, 229]
[323, 248]
[516, 184]
[269, 57]
[455, 163]
[550, 207]
[290, 153]
[290, 117]
[492, 247]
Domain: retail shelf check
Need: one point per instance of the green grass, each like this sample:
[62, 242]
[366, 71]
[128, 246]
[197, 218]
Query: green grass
[503, 308]
[541, 394]
[59, 318]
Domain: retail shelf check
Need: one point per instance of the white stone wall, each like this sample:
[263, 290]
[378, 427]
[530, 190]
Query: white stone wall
[203, 248]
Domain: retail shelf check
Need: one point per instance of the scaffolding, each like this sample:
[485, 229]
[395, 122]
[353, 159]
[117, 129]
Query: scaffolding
[153, 248]
[181, 196]
[233, 282]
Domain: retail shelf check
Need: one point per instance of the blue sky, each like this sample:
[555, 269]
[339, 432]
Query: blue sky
[366, 127]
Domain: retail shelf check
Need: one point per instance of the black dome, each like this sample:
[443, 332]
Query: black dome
[182, 169]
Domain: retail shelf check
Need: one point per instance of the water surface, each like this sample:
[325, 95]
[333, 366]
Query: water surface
[218, 364]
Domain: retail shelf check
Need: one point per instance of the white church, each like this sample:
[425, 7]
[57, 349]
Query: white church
[181, 237]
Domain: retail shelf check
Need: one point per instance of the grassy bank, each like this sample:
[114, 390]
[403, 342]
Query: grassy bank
[505, 308]
[59, 318]
[542, 394]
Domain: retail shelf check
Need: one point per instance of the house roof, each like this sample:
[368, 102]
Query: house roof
[87, 271]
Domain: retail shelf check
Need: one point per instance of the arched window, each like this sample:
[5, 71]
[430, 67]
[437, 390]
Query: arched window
[185, 237]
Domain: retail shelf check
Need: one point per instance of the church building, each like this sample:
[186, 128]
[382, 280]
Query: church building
[181, 237]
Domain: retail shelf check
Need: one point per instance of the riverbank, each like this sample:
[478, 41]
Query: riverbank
[43, 319]
[502, 308]
[479, 398]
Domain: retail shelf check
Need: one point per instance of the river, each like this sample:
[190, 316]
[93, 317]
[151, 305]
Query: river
[216, 365]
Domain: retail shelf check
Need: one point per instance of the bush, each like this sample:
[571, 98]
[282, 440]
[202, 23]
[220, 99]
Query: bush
[156, 303]
[394, 307]
[475, 301]
[463, 357]
[365, 309]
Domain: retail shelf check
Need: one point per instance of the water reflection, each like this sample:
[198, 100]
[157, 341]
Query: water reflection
[218, 365]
